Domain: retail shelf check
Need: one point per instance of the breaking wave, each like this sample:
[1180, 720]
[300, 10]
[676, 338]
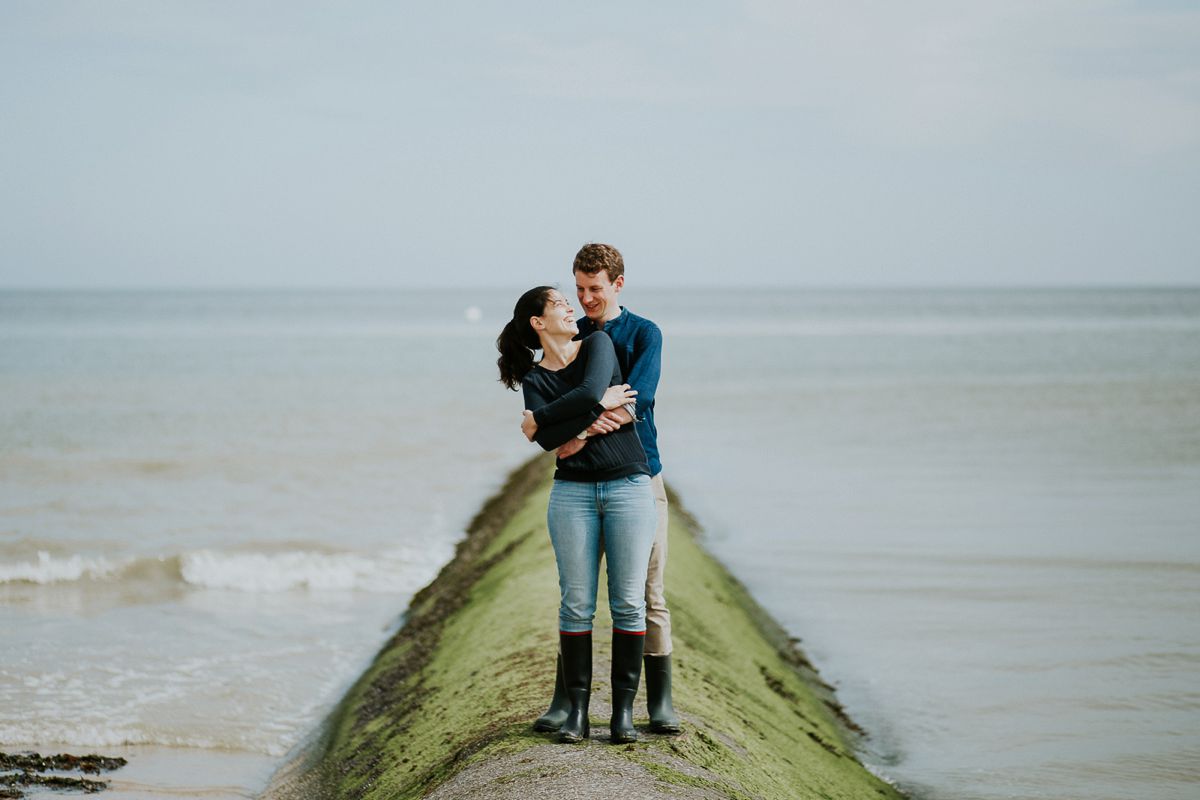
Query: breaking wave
[47, 569]
[280, 572]
[394, 571]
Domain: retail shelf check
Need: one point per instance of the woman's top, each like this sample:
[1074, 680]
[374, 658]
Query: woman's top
[565, 402]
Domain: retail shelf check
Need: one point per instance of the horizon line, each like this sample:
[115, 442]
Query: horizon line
[348, 288]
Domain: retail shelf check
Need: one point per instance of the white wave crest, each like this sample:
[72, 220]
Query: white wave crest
[395, 571]
[48, 569]
[280, 572]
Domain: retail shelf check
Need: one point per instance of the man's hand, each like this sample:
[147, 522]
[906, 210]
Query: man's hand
[528, 425]
[609, 421]
[617, 396]
[571, 448]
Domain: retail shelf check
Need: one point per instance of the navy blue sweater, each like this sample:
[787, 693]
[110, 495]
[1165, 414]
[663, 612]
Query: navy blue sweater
[638, 344]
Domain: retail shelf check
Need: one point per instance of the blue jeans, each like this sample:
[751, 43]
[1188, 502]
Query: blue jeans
[618, 515]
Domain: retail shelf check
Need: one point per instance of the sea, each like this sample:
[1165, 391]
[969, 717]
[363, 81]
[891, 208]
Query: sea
[979, 511]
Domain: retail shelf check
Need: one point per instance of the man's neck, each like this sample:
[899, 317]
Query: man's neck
[600, 322]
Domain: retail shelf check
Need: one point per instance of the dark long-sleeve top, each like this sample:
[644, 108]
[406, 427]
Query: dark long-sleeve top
[565, 402]
[638, 344]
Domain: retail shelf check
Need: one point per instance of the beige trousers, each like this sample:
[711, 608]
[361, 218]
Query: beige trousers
[658, 617]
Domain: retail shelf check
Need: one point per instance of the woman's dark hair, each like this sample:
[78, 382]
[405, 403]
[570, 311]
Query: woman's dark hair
[518, 341]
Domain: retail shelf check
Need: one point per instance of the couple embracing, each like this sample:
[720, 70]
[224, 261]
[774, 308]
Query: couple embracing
[591, 398]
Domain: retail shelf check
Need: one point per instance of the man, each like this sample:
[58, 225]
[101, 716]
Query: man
[599, 277]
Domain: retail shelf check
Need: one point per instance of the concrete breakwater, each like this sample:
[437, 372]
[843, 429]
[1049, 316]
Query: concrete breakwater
[445, 710]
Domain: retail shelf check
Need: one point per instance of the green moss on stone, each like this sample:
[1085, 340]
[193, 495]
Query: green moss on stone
[474, 665]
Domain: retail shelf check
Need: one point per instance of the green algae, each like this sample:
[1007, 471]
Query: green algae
[474, 665]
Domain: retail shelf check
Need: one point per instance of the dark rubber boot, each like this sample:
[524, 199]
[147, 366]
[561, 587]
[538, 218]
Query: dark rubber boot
[554, 717]
[658, 695]
[577, 678]
[626, 673]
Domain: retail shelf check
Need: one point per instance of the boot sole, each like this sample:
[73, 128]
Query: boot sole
[664, 728]
[546, 727]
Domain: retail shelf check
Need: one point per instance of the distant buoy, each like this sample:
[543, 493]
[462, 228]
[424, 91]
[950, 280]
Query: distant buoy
[473, 313]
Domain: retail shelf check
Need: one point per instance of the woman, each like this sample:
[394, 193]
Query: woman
[601, 497]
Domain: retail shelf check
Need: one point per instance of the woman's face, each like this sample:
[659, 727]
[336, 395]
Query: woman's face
[558, 318]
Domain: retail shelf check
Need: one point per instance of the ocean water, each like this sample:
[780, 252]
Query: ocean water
[978, 509]
[215, 507]
[981, 513]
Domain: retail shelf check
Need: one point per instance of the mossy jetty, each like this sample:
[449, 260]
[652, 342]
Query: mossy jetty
[445, 710]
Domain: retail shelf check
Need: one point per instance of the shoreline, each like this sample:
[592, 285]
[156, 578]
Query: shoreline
[445, 709]
[158, 770]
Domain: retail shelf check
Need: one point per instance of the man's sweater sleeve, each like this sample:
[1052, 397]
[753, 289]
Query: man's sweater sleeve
[599, 366]
[646, 366]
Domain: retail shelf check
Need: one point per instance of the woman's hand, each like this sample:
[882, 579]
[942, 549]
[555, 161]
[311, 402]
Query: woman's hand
[610, 421]
[571, 448]
[529, 425]
[617, 396]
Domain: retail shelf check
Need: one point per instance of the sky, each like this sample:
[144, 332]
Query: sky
[153, 143]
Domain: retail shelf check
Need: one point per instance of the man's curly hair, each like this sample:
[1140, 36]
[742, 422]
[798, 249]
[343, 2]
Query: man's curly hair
[594, 257]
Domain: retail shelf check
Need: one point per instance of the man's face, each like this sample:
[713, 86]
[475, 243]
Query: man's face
[598, 295]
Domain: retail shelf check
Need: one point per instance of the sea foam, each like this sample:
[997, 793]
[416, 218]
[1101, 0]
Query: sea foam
[279, 572]
[47, 569]
[394, 571]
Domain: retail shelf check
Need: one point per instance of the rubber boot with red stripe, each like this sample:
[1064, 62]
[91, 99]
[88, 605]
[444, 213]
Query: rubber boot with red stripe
[627, 651]
[554, 717]
[576, 649]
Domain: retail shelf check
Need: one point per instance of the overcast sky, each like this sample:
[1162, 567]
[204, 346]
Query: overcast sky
[846, 143]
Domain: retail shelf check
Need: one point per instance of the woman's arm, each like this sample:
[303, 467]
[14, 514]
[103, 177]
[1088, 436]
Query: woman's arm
[555, 434]
[599, 365]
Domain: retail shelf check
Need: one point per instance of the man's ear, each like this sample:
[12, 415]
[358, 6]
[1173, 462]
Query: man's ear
[619, 282]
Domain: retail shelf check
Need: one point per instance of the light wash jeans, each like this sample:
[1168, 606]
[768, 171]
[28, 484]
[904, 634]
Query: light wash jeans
[618, 515]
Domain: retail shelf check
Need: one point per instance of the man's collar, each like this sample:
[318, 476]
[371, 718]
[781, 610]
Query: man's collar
[611, 321]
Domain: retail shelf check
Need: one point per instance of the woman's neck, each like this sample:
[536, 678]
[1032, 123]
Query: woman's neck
[558, 351]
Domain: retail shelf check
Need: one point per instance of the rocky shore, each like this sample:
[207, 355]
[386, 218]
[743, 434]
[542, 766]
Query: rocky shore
[19, 771]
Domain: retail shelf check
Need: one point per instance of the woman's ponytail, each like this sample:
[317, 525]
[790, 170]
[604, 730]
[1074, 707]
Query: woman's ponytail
[518, 341]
